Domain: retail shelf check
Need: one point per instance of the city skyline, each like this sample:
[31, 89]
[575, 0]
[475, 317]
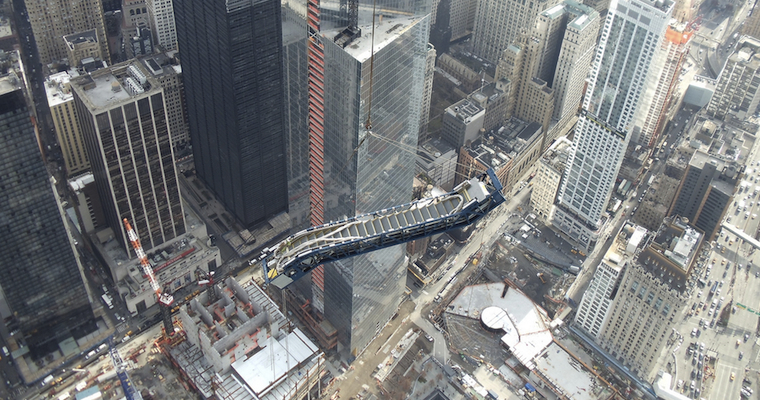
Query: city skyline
[271, 156]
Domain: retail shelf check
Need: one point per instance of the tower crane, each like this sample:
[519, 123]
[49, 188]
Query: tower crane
[297, 254]
[165, 300]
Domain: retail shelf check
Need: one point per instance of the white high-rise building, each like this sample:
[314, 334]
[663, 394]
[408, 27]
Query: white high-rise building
[162, 21]
[632, 33]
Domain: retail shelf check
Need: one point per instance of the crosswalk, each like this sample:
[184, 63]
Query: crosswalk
[121, 328]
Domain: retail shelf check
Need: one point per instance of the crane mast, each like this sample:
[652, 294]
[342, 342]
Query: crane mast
[165, 300]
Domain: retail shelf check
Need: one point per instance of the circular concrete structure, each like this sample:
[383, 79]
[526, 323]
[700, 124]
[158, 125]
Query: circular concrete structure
[494, 318]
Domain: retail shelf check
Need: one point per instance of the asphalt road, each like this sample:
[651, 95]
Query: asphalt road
[740, 285]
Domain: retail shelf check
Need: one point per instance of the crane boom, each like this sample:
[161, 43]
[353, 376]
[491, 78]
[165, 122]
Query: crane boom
[147, 269]
[299, 253]
[165, 300]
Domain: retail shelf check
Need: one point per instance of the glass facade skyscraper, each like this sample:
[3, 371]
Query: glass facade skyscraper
[632, 33]
[337, 168]
[232, 71]
[42, 289]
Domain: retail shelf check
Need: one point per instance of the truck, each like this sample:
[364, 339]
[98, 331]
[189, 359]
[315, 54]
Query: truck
[107, 300]
[741, 205]
[574, 269]
[651, 179]
[47, 380]
[616, 206]
[621, 187]
[714, 287]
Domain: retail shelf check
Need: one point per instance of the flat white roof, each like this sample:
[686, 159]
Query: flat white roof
[386, 31]
[567, 374]
[527, 326]
[267, 368]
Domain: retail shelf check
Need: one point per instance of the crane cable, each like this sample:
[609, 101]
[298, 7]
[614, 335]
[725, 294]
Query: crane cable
[368, 121]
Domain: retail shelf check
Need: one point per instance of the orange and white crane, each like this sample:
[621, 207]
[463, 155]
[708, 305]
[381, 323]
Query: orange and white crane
[165, 300]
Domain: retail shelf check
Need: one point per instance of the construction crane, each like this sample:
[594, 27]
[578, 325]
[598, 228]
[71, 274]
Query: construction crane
[165, 300]
[292, 258]
[121, 371]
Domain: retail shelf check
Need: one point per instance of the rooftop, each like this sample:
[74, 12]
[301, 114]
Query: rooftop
[386, 31]
[81, 37]
[58, 89]
[570, 376]
[465, 109]
[671, 253]
[526, 325]
[583, 15]
[504, 144]
[109, 87]
[557, 154]
[162, 64]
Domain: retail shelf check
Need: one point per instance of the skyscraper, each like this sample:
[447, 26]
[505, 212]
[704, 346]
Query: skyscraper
[53, 19]
[653, 112]
[61, 103]
[650, 291]
[705, 191]
[162, 21]
[575, 55]
[498, 23]
[737, 90]
[232, 71]
[632, 33]
[124, 123]
[43, 293]
[336, 76]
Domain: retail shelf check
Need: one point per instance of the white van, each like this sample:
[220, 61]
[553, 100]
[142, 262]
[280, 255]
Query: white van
[107, 300]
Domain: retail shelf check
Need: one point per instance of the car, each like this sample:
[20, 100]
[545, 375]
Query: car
[747, 381]
[679, 384]
[693, 373]
[733, 376]
[694, 332]
[429, 338]
[725, 273]
[746, 337]
[701, 356]
[738, 342]
[741, 355]
[694, 361]
[698, 332]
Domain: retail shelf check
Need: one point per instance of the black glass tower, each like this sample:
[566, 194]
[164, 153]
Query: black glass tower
[232, 71]
[43, 294]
